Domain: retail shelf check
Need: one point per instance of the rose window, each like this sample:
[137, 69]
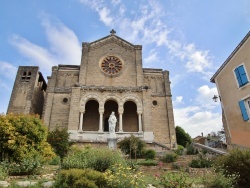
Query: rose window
[111, 65]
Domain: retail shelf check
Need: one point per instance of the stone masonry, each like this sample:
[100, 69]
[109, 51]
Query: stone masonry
[109, 78]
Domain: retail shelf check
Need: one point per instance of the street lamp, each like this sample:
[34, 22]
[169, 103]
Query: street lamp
[215, 98]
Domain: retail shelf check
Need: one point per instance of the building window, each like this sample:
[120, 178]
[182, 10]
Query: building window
[65, 100]
[245, 108]
[111, 65]
[154, 103]
[241, 75]
[26, 77]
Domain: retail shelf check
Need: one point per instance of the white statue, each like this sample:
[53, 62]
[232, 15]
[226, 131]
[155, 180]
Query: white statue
[112, 122]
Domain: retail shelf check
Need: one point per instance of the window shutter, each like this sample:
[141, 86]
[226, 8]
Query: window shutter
[243, 75]
[236, 71]
[243, 110]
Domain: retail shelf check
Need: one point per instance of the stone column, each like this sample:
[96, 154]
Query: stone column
[101, 112]
[120, 111]
[120, 122]
[139, 121]
[81, 121]
[100, 122]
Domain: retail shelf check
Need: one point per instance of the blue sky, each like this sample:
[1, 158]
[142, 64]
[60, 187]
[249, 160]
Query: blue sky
[191, 39]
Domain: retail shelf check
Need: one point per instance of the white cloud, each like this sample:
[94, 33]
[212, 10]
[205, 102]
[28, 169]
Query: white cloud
[178, 100]
[151, 59]
[149, 24]
[64, 47]
[195, 120]
[205, 97]
[105, 17]
[63, 42]
[7, 70]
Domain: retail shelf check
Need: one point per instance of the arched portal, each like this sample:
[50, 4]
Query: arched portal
[91, 116]
[130, 117]
[110, 106]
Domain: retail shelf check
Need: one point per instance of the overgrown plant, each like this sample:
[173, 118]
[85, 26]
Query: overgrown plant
[3, 172]
[94, 158]
[201, 162]
[132, 146]
[218, 180]
[191, 150]
[169, 157]
[179, 150]
[120, 176]
[235, 164]
[149, 154]
[59, 140]
[173, 180]
[74, 178]
[23, 143]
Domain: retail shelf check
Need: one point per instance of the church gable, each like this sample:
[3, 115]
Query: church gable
[110, 61]
[114, 40]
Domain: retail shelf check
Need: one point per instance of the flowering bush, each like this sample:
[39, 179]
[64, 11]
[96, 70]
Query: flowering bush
[23, 143]
[94, 158]
[120, 176]
[236, 164]
[87, 178]
[173, 180]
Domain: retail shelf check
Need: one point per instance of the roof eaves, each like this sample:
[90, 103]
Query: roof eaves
[230, 57]
[111, 35]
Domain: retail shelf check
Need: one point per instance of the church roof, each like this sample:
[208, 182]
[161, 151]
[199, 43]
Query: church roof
[112, 35]
[230, 57]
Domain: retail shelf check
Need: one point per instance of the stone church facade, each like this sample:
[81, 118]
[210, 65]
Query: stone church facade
[109, 79]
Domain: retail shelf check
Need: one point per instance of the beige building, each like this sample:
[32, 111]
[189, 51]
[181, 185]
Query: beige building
[82, 97]
[232, 82]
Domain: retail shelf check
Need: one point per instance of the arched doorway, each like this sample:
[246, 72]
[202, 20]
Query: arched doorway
[91, 116]
[130, 117]
[110, 106]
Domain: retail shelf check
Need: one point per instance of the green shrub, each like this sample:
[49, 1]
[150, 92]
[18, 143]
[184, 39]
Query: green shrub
[55, 161]
[173, 180]
[218, 180]
[59, 140]
[132, 146]
[235, 164]
[201, 163]
[149, 154]
[3, 172]
[191, 150]
[169, 158]
[122, 176]
[147, 163]
[179, 150]
[23, 143]
[75, 159]
[182, 137]
[75, 178]
[94, 158]
[176, 166]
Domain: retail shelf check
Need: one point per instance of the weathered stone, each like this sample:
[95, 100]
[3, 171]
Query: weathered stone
[109, 78]
[4, 184]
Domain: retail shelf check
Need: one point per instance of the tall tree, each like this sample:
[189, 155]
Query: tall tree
[183, 138]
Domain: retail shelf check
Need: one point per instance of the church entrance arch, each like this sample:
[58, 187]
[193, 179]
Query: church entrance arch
[91, 116]
[109, 106]
[130, 117]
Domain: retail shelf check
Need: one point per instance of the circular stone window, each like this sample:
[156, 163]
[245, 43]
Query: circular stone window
[154, 103]
[65, 100]
[111, 65]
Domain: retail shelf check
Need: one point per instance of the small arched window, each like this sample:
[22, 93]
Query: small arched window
[24, 75]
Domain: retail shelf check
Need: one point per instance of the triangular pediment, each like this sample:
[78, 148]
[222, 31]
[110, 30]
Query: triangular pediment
[112, 39]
